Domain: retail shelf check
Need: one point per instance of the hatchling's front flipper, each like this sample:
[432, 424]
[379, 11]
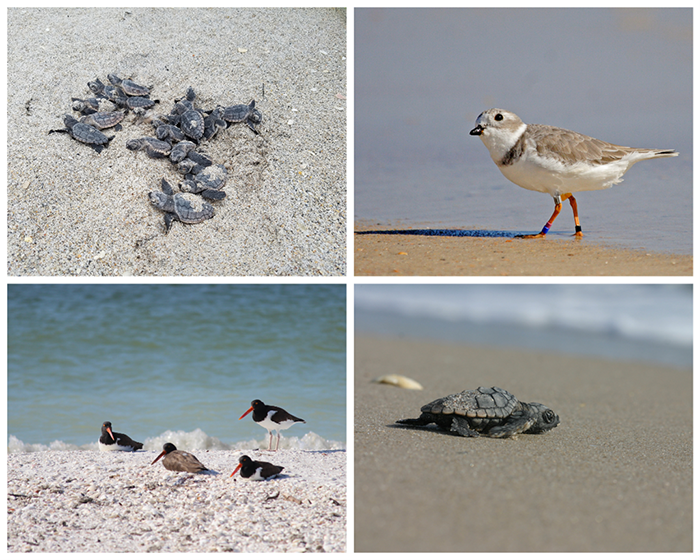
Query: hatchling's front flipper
[461, 426]
[415, 421]
[515, 425]
[170, 217]
[213, 194]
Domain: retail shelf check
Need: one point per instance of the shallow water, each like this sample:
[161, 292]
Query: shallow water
[181, 358]
[643, 323]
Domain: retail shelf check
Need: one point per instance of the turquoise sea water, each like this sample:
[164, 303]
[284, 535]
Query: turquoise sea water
[175, 361]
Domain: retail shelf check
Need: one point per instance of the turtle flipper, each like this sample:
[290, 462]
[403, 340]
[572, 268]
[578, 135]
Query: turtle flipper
[461, 426]
[213, 194]
[415, 421]
[516, 426]
[169, 219]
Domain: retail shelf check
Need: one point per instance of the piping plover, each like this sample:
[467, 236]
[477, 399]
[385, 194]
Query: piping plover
[554, 160]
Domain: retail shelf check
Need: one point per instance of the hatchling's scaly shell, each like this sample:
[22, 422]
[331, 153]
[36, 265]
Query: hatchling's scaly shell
[192, 124]
[238, 113]
[129, 87]
[104, 119]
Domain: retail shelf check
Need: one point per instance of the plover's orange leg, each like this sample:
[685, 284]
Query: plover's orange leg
[574, 207]
[545, 229]
[557, 208]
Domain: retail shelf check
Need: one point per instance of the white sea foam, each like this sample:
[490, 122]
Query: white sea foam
[190, 441]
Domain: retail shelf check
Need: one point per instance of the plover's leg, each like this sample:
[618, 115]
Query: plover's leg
[545, 229]
[574, 207]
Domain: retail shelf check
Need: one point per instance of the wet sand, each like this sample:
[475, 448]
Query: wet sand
[91, 501]
[74, 212]
[430, 255]
[615, 475]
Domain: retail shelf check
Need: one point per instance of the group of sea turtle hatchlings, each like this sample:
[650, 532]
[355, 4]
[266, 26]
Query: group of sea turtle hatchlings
[177, 137]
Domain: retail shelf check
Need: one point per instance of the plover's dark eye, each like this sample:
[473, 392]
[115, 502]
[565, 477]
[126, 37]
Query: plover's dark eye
[498, 117]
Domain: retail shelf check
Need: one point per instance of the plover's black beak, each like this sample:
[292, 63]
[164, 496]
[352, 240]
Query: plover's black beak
[477, 130]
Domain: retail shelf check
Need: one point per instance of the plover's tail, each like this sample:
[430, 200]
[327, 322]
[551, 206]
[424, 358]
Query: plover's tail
[635, 155]
[664, 153]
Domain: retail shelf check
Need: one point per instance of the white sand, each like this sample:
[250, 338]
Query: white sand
[90, 501]
[74, 212]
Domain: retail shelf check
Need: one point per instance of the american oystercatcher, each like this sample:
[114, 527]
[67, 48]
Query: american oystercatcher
[114, 441]
[256, 470]
[176, 460]
[271, 418]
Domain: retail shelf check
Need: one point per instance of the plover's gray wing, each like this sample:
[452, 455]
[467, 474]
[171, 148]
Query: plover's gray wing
[575, 148]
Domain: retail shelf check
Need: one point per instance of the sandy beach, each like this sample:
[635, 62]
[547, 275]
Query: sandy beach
[430, 255]
[90, 501]
[615, 475]
[72, 211]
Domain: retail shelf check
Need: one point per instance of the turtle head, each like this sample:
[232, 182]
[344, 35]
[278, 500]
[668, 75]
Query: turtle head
[70, 121]
[545, 419]
[161, 200]
[134, 144]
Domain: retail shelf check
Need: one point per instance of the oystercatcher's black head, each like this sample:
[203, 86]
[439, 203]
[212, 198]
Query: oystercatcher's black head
[167, 448]
[255, 405]
[242, 461]
[107, 429]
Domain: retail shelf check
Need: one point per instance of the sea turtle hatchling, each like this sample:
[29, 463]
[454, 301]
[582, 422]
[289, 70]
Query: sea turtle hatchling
[84, 133]
[213, 123]
[113, 93]
[243, 113]
[86, 106]
[193, 164]
[208, 182]
[488, 411]
[129, 87]
[186, 207]
[167, 132]
[181, 150]
[153, 147]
